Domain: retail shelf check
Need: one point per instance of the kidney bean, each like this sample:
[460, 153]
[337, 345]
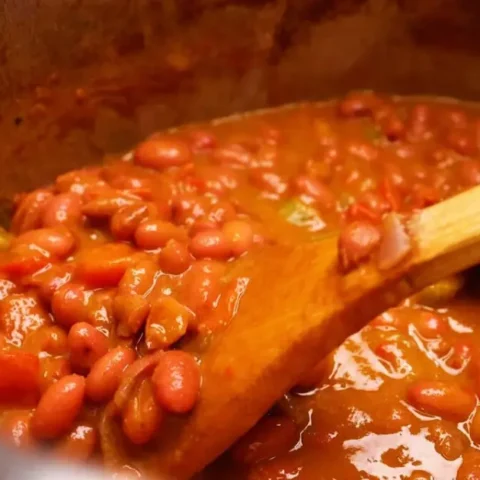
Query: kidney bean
[69, 304]
[50, 279]
[393, 127]
[210, 244]
[202, 225]
[460, 141]
[438, 398]
[214, 179]
[449, 442]
[58, 242]
[356, 243]
[357, 104]
[23, 260]
[64, 208]
[233, 155]
[50, 339]
[141, 368]
[239, 236]
[174, 258]
[391, 193]
[52, 369]
[156, 233]
[131, 311]
[15, 429]
[126, 220]
[271, 437]
[79, 444]
[78, 181]
[315, 190]
[188, 207]
[201, 140]
[29, 212]
[162, 152]
[106, 207]
[221, 212]
[86, 345]
[21, 314]
[142, 416]
[202, 285]
[19, 372]
[106, 373]
[456, 118]
[176, 381]
[269, 181]
[167, 323]
[424, 195]
[460, 355]
[105, 265]
[470, 467]
[430, 324]
[58, 408]
[100, 310]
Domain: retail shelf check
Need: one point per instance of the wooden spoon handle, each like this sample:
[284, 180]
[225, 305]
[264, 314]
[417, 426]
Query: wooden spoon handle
[447, 238]
[297, 309]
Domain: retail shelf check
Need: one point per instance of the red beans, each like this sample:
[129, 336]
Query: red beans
[446, 400]
[50, 339]
[431, 325]
[126, 220]
[357, 104]
[202, 285]
[239, 236]
[176, 381]
[106, 373]
[15, 429]
[167, 322]
[58, 408]
[162, 152]
[210, 244]
[58, 242]
[86, 345]
[105, 265]
[30, 211]
[79, 444]
[356, 243]
[142, 416]
[174, 258]
[19, 375]
[65, 208]
[316, 190]
[156, 233]
[69, 304]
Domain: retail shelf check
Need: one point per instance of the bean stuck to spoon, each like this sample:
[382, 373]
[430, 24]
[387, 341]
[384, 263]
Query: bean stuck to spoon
[276, 337]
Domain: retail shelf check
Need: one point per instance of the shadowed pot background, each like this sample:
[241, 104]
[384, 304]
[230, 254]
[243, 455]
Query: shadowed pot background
[81, 78]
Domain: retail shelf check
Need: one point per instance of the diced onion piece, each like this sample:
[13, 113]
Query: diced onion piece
[395, 245]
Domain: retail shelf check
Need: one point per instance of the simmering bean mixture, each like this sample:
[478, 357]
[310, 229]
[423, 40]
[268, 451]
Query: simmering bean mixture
[112, 284]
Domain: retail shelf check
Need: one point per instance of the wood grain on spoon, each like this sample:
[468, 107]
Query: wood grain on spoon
[296, 309]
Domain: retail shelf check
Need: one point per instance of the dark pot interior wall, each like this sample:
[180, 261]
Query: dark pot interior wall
[79, 78]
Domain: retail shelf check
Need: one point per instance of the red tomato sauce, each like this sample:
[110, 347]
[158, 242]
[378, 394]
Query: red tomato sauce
[112, 283]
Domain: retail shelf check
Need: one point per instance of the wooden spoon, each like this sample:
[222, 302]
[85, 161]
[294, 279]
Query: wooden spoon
[296, 309]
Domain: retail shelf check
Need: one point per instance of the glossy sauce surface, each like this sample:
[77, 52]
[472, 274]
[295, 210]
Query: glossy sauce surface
[113, 283]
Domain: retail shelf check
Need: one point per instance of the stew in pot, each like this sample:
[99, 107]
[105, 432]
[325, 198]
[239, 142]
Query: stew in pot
[113, 280]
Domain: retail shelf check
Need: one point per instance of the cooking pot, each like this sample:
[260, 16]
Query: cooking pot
[81, 79]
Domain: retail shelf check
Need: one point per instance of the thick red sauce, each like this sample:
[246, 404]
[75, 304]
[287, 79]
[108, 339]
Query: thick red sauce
[112, 283]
